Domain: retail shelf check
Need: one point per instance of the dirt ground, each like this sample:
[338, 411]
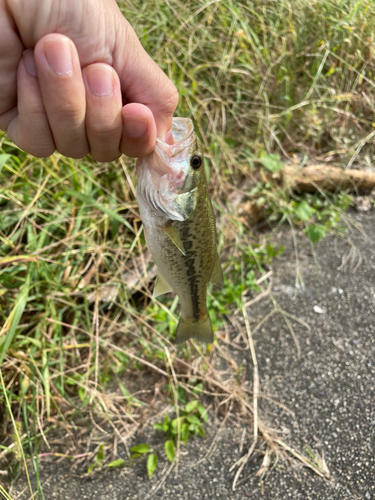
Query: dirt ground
[330, 389]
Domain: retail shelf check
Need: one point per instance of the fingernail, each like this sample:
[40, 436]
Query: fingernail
[28, 60]
[99, 80]
[135, 126]
[59, 56]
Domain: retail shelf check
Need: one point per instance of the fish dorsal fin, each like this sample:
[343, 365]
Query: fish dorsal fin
[217, 277]
[172, 233]
[161, 286]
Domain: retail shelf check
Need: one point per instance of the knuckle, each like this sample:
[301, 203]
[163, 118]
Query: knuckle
[68, 111]
[103, 131]
[171, 102]
[76, 153]
[105, 156]
[168, 95]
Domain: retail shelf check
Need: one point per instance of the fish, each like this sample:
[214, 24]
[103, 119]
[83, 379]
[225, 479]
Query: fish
[180, 228]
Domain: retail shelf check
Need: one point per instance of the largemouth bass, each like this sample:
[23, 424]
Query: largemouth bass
[179, 227]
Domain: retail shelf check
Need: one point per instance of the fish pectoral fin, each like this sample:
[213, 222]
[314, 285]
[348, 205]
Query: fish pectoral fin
[161, 286]
[217, 277]
[172, 233]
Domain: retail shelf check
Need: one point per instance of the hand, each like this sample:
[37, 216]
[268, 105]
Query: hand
[66, 69]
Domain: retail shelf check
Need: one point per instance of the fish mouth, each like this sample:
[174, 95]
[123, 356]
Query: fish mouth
[162, 174]
[183, 136]
[172, 161]
[171, 158]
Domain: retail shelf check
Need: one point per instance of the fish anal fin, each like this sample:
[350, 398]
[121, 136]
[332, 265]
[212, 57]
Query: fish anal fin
[217, 277]
[161, 286]
[198, 330]
[173, 235]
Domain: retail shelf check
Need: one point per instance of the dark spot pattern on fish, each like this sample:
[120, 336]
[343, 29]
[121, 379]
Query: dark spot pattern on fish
[191, 273]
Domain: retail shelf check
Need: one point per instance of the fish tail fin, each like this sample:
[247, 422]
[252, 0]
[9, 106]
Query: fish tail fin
[198, 330]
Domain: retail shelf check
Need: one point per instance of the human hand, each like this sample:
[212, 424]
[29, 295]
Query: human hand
[66, 92]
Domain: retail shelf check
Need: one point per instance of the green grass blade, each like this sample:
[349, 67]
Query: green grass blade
[10, 326]
[88, 200]
[5, 493]
[3, 159]
[16, 433]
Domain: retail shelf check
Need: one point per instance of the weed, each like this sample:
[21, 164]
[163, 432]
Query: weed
[242, 271]
[190, 421]
[98, 462]
[138, 451]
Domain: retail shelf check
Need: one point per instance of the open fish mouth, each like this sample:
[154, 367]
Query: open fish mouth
[162, 174]
[183, 137]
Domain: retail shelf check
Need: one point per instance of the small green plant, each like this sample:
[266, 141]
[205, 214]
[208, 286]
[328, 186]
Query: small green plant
[259, 257]
[138, 451]
[241, 276]
[189, 422]
[323, 214]
[141, 450]
[98, 462]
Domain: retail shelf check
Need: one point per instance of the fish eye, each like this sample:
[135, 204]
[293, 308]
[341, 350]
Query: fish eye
[196, 161]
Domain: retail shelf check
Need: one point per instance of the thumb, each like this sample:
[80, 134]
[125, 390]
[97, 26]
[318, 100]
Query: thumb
[143, 82]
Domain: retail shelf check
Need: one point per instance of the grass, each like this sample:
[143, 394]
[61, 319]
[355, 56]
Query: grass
[83, 346]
